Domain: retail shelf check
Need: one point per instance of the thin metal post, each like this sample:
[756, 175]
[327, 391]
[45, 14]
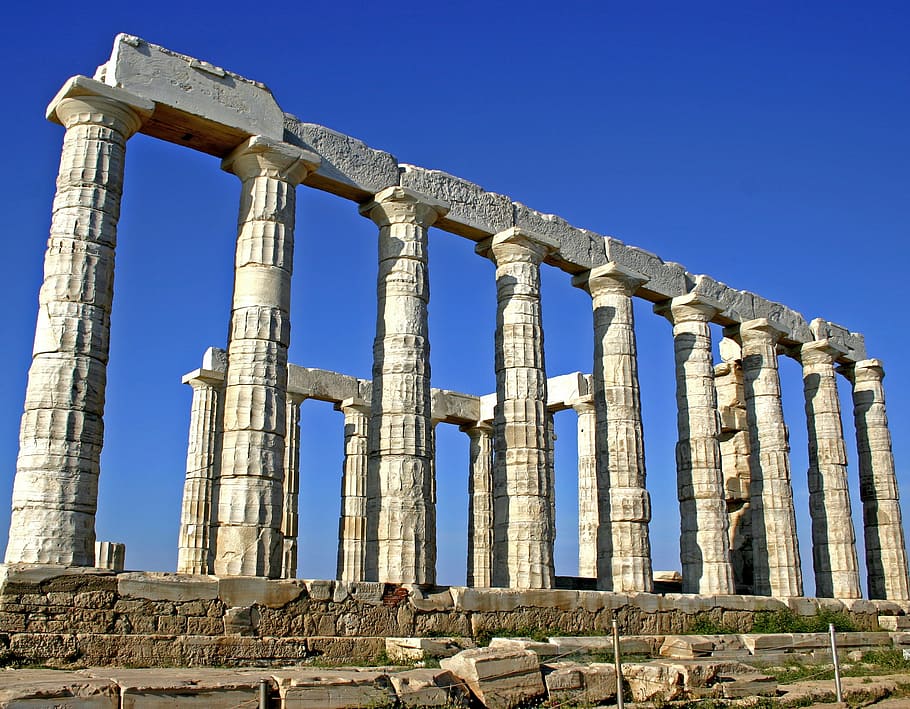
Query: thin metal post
[618, 664]
[837, 687]
[263, 694]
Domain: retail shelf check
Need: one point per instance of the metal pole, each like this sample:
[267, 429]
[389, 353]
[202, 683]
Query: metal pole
[618, 665]
[263, 694]
[837, 687]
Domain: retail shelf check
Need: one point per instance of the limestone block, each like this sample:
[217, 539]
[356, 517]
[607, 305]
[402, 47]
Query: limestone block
[474, 212]
[199, 105]
[500, 679]
[665, 279]
[576, 684]
[424, 600]
[156, 586]
[414, 649]
[162, 689]
[543, 650]
[686, 646]
[853, 343]
[334, 689]
[894, 623]
[349, 167]
[33, 689]
[429, 688]
[654, 681]
[565, 389]
[577, 249]
[603, 644]
[247, 590]
[215, 360]
[454, 407]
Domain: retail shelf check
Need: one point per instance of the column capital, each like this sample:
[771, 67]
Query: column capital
[480, 428]
[583, 404]
[867, 370]
[610, 278]
[402, 205]
[518, 244]
[296, 398]
[259, 156]
[204, 378]
[760, 330]
[84, 100]
[691, 307]
[819, 352]
[354, 403]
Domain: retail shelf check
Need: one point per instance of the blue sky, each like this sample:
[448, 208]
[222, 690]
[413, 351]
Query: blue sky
[763, 143]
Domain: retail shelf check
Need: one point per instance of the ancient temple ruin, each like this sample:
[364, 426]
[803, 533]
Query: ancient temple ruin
[738, 530]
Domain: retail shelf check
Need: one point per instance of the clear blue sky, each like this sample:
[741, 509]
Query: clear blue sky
[763, 143]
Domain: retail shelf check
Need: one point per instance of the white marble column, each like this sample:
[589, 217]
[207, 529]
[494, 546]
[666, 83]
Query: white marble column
[480, 506]
[291, 487]
[776, 563]
[704, 546]
[352, 527]
[250, 494]
[194, 551]
[886, 555]
[833, 541]
[401, 515]
[588, 510]
[55, 493]
[522, 491]
[623, 547]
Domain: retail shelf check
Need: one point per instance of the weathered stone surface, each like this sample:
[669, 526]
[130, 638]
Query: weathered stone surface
[480, 506]
[245, 591]
[157, 586]
[161, 689]
[500, 679]
[543, 650]
[352, 526]
[32, 689]
[415, 649]
[199, 105]
[654, 681]
[430, 688]
[334, 689]
[851, 344]
[473, 212]
[348, 167]
[686, 646]
[574, 250]
[662, 279]
[571, 682]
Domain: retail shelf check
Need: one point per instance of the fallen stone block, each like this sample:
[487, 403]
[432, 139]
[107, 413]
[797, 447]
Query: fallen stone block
[686, 646]
[499, 678]
[42, 688]
[334, 689]
[203, 688]
[416, 649]
[578, 683]
[894, 623]
[541, 649]
[430, 688]
[653, 681]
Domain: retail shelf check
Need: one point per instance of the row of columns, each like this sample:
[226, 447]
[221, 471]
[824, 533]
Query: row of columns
[253, 499]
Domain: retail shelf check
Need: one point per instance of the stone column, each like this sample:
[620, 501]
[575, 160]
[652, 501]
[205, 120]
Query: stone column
[551, 474]
[55, 492]
[250, 500]
[588, 509]
[623, 548]
[401, 528]
[833, 540]
[522, 491]
[480, 506]
[352, 528]
[776, 564]
[886, 556]
[194, 551]
[704, 546]
[291, 486]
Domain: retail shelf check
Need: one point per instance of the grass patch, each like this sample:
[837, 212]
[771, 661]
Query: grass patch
[786, 621]
[704, 624]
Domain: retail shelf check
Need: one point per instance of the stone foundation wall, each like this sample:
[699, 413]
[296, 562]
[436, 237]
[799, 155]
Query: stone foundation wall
[76, 616]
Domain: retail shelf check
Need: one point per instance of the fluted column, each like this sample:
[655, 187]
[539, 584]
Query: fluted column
[55, 492]
[480, 505]
[401, 515]
[833, 541]
[623, 547]
[352, 527]
[250, 495]
[194, 552]
[588, 510]
[776, 564]
[704, 546]
[291, 486]
[522, 491]
[886, 556]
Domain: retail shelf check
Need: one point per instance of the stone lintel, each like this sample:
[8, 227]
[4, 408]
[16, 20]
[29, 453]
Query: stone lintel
[611, 272]
[199, 105]
[691, 306]
[381, 208]
[208, 377]
[486, 426]
[273, 158]
[578, 249]
[853, 343]
[664, 279]
[84, 87]
[564, 389]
